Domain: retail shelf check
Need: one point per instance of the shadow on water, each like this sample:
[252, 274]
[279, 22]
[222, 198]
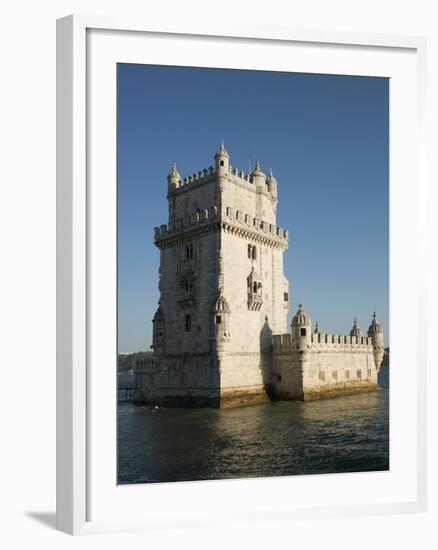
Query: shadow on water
[346, 434]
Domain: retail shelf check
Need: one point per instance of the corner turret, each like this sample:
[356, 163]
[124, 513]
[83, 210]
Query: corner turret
[173, 179]
[376, 333]
[356, 331]
[221, 313]
[271, 184]
[258, 177]
[158, 331]
[222, 159]
[301, 329]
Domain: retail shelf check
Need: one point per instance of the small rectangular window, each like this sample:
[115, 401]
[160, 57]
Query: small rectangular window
[188, 323]
[359, 374]
[303, 331]
[286, 297]
[218, 319]
[222, 163]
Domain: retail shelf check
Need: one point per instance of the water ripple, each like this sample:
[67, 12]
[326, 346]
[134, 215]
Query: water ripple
[346, 434]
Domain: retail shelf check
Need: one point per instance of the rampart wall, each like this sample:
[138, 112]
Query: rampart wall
[330, 364]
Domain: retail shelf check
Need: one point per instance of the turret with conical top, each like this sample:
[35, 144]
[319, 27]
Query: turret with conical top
[174, 178]
[222, 159]
[375, 331]
[258, 177]
[301, 329]
[271, 183]
[356, 331]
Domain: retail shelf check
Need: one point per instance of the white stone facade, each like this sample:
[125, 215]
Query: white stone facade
[310, 365]
[219, 333]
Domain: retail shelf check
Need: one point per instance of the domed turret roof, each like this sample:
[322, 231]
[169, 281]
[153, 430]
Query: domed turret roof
[301, 317]
[222, 152]
[271, 177]
[174, 174]
[356, 331]
[257, 171]
[221, 304]
[375, 326]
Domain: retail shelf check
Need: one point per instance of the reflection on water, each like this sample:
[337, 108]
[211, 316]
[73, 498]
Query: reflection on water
[346, 434]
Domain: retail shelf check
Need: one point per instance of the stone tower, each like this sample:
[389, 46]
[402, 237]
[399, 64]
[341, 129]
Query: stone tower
[222, 288]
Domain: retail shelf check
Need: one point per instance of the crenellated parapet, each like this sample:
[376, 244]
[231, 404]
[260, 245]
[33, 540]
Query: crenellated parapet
[336, 341]
[249, 227]
[234, 221]
[182, 229]
[323, 342]
[197, 178]
[178, 184]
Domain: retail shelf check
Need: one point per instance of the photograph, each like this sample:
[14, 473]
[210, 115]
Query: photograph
[252, 274]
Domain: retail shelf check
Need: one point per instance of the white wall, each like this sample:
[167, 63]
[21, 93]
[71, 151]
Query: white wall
[27, 217]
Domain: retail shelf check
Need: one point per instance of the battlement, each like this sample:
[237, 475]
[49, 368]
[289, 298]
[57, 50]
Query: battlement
[254, 224]
[340, 340]
[240, 174]
[208, 174]
[188, 182]
[283, 342]
[235, 219]
[203, 217]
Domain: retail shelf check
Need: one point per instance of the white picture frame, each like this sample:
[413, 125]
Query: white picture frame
[78, 207]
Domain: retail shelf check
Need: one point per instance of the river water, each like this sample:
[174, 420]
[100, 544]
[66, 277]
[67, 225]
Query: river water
[344, 434]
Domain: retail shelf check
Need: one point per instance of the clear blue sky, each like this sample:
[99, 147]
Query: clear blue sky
[326, 139]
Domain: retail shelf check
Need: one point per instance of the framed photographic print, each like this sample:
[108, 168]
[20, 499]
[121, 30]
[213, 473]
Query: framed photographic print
[240, 275]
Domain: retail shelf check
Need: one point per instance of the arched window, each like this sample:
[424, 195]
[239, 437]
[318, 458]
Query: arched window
[254, 253]
[249, 251]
